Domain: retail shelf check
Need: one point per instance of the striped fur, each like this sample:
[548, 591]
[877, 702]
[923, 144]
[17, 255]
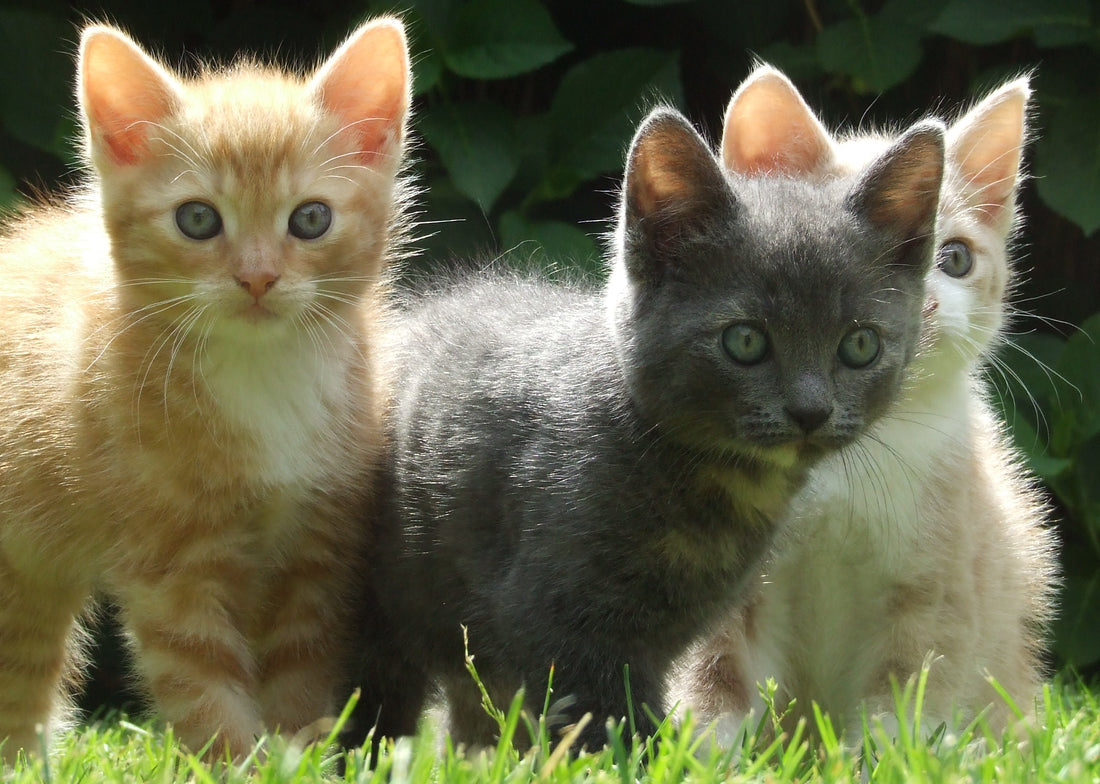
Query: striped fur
[191, 425]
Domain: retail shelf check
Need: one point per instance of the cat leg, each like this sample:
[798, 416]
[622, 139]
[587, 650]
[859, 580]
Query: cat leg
[38, 639]
[712, 684]
[393, 679]
[595, 684]
[467, 719]
[192, 656]
[393, 693]
[304, 640]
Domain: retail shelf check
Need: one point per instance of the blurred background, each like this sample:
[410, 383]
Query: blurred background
[524, 109]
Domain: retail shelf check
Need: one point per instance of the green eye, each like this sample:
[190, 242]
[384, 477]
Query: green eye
[954, 259]
[198, 220]
[745, 343]
[310, 220]
[859, 348]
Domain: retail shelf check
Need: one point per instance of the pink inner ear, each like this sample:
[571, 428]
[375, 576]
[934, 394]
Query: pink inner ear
[125, 137]
[375, 134]
[123, 92]
[986, 148]
[770, 130]
[366, 84]
[902, 189]
[654, 182]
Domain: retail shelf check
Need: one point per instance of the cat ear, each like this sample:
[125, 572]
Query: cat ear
[365, 83]
[984, 149]
[769, 129]
[673, 186]
[900, 191]
[122, 93]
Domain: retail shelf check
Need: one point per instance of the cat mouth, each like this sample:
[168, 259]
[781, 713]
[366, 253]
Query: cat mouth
[257, 313]
[809, 451]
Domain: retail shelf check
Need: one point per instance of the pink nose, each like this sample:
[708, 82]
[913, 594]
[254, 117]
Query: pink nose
[257, 283]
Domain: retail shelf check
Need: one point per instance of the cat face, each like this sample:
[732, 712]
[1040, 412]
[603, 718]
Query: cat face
[769, 316]
[245, 203]
[968, 287]
[773, 128]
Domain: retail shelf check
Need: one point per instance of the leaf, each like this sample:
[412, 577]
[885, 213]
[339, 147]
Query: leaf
[449, 227]
[986, 22]
[476, 143]
[1077, 627]
[1024, 382]
[1079, 388]
[598, 104]
[915, 13]
[799, 63]
[1067, 162]
[1087, 468]
[1028, 360]
[493, 39]
[1034, 448]
[8, 194]
[34, 106]
[427, 68]
[1049, 36]
[878, 52]
[548, 244]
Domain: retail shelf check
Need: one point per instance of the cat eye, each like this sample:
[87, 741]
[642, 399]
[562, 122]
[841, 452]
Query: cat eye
[198, 220]
[954, 259]
[310, 220]
[746, 344]
[859, 348]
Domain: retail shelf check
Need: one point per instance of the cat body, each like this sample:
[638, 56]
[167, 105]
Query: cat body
[925, 541]
[190, 419]
[583, 477]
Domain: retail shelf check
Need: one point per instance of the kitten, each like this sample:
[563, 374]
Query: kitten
[190, 413]
[925, 537]
[584, 478]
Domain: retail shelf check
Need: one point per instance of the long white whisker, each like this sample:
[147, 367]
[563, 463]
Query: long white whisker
[147, 312]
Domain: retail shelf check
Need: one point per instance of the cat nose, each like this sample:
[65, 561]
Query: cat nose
[809, 417]
[257, 283]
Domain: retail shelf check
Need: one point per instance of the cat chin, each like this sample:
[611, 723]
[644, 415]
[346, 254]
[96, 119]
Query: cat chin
[253, 324]
[787, 455]
[783, 455]
[258, 315]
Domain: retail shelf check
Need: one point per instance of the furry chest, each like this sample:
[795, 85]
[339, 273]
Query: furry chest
[284, 427]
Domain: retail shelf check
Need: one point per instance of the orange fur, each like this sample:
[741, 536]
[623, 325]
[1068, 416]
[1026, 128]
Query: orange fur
[191, 425]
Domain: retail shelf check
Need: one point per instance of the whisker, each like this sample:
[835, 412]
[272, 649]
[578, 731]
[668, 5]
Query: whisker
[180, 333]
[147, 362]
[147, 312]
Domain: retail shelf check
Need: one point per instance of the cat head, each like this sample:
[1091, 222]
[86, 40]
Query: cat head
[769, 315]
[769, 124]
[978, 217]
[246, 201]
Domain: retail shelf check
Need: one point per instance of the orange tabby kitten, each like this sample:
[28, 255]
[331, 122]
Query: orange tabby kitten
[925, 538]
[189, 413]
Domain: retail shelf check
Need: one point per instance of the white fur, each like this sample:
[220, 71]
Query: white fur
[278, 392]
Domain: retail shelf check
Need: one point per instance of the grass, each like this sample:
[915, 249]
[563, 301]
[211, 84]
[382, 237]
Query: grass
[1064, 747]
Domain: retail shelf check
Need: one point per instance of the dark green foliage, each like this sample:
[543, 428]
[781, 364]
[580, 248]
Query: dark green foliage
[1050, 393]
[525, 108]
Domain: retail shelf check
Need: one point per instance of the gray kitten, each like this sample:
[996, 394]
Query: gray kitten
[585, 478]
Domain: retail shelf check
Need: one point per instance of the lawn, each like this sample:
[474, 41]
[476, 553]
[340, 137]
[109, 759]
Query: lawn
[1065, 747]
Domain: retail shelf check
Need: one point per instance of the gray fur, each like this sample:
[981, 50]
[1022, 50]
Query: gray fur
[568, 464]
